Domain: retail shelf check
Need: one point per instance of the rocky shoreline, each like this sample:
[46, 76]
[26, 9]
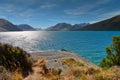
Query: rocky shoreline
[53, 58]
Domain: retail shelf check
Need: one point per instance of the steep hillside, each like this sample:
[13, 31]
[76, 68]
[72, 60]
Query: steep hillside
[26, 27]
[108, 24]
[5, 25]
[60, 27]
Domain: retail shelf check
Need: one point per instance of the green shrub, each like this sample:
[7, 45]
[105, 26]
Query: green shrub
[113, 54]
[13, 58]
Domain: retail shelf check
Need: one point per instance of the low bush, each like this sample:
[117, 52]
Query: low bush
[13, 58]
[113, 54]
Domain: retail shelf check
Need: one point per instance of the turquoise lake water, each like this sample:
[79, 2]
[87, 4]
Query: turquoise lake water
[88, 44]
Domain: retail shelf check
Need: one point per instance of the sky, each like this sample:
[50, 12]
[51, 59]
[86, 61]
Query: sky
[46, 13]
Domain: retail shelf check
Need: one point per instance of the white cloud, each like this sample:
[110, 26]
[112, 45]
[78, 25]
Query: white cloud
[7, 8]
[111, 14]
[26, 14]
[48, 5]
[85, 8]
[4, 17]
[107, 16]
[80, 10]
[11, 10]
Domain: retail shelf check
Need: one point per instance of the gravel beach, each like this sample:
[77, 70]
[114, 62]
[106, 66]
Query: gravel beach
[53, 59]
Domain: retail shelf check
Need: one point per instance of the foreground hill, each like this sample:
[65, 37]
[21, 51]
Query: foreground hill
[66, 27]
[26, 27]
[108, 24]
[5, 25]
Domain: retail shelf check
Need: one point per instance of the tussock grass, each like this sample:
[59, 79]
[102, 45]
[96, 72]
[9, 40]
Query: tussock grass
[92, 73]
[17, 76]
[70, 62]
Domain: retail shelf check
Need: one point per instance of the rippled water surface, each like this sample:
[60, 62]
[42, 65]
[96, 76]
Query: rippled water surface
[89, 44]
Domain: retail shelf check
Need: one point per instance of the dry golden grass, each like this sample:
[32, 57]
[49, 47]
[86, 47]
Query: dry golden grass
[109, 74]
[17, 76]
[76, 72]
[92, 73]
[40, 72]
[6, 75]
[70, 62]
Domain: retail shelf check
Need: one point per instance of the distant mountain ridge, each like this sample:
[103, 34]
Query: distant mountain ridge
[26, 27]
[6, 25]
[77, 26]
[66, 27]
[60, 27]
[108, 24]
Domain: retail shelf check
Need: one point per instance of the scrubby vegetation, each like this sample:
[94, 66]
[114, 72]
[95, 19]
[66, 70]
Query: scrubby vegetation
[14, 58]
[75, 73]
[113, 54]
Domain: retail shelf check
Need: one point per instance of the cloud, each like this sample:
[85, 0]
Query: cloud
[3, 17]
[27, 13]
[10, 9]
[111, 14]
[48, 6]
[106, 16]
[7, 8]
[78, 11]
[86, 8]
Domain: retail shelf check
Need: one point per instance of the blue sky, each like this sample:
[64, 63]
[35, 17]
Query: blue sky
[45, 13]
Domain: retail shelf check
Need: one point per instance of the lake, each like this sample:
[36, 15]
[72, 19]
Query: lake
[88, 44]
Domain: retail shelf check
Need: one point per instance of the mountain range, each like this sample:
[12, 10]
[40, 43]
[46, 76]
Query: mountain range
[66, 27]
[108, 24]
[6, 25]
[26, 27]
